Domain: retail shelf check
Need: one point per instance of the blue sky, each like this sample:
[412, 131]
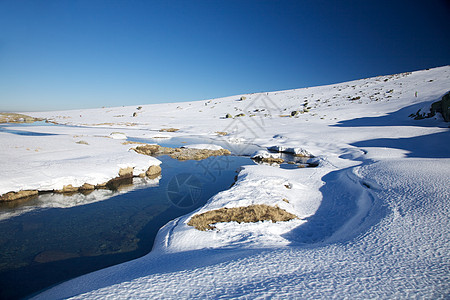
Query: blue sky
[82, 54]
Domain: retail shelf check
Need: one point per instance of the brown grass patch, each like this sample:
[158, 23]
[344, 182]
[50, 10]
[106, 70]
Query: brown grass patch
[269, 160]
[180, 153]
[221, 133]
[169, 129]
[16, 118]
[245, 214]
[132, 143]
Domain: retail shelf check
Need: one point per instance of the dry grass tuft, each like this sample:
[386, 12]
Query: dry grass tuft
[132, 143]
[180, 153]
[245, 214]
[169, 129]
[16, 118]
[221, 133]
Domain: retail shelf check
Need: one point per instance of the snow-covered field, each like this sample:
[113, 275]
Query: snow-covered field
[373, 218]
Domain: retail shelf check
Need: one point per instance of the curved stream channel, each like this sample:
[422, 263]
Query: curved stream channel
[56, 237]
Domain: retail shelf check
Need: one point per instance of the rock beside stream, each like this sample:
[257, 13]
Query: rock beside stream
[153, 172]
[11, 196]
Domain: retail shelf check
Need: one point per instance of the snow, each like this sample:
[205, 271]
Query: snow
[265, 154]
[203, 146]
[294, 150]
[372, 218]
[118, 136]
[64, 156]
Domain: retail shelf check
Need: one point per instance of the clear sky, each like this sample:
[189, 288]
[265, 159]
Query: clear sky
[81, 54]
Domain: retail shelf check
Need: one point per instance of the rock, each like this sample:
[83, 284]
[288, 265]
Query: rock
[67, 189]
[153, 171]
[101, 185]
[11, 196]
[117, 183]
[442, 106]
[126, 172]
[294, 113]
[239, 115]
[87, 187]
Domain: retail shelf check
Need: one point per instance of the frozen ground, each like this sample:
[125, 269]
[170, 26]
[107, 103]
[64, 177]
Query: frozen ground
[373, 217]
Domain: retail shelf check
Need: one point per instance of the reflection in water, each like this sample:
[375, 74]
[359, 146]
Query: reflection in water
[291, 161]
[61, 237]
[67, 200]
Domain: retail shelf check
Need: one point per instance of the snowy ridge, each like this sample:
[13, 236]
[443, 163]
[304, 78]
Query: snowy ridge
[373, 217]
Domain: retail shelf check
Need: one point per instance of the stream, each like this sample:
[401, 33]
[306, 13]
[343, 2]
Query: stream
[55, 237]
[52, 237]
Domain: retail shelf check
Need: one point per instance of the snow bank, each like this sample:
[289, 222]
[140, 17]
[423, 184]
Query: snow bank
[265, 154]
[294, 150]
[51, 162]
[291, 191]
[118, 136]
[203, 146]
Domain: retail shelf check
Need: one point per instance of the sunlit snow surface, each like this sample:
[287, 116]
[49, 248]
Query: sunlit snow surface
[373, 217]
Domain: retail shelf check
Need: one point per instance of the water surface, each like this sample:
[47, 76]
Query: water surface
[48, 244]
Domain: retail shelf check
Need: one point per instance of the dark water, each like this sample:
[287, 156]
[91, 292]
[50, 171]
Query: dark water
[46, 246]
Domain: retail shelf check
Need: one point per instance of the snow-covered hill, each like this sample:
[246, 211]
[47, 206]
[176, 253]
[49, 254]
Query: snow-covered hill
[373, 218]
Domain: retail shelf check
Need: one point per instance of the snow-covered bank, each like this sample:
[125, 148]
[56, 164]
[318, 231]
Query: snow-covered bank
[401, 253]
[373, 217]
[34, 159]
